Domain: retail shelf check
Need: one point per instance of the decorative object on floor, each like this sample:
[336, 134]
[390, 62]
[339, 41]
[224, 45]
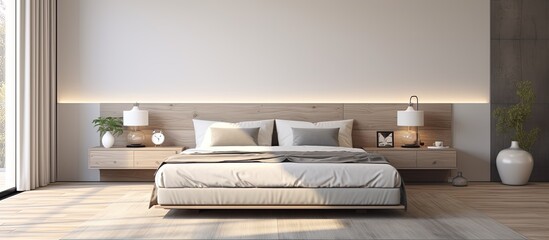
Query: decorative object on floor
[136, 118]
[411, 118]
[385, 139]
[514, 164]
[108, 128]
[459, 180]
[158, 137]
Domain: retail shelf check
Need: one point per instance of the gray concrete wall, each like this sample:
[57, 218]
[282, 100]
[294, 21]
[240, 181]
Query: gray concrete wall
[520, 51]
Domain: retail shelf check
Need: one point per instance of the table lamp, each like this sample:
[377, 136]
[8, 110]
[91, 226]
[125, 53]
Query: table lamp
[411, 118]
[136, 118]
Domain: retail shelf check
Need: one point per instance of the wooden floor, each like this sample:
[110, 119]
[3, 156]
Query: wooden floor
[524, 209]
[77, 210]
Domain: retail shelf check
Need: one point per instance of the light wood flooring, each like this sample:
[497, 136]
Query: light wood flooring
[105, 210]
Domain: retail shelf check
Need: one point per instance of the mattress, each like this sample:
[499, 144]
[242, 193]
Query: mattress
[276, 175]
[279, 196]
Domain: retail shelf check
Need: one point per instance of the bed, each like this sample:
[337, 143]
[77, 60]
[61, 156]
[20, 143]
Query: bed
[271, 177]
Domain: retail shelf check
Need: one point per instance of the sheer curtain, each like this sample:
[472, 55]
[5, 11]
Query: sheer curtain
[36, 93]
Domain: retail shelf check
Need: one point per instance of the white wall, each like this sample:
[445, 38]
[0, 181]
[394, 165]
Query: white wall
[273, 50]
[471, 125]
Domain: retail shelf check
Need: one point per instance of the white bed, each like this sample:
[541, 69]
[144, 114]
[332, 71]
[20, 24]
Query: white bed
[278, 185]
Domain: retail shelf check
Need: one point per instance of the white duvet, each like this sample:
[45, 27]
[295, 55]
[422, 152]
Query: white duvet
[276, 175]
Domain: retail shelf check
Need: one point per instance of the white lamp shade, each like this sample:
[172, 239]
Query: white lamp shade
[136, 117]
[410, 117]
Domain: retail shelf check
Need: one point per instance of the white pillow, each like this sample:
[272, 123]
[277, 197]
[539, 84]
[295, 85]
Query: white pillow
[286, 138]
[203, 135]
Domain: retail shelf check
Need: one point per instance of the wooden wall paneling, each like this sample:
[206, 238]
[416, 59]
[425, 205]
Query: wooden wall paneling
[437, 116]
[179, 116]
[247, 112]
[176, 119]
[120, 141]
[167, 116]
[381, 117]
[364, 138]
[180, 138]
[306, 112]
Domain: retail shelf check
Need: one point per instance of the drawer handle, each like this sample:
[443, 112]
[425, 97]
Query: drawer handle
[434, 162]
[114, 161]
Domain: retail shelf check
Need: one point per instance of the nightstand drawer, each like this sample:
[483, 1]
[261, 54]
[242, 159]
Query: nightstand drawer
[114, 159]
[151, 159]
[436, 159]
[400, 159]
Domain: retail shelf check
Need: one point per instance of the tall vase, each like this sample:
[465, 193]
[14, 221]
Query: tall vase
[514, 165]
[107, 140]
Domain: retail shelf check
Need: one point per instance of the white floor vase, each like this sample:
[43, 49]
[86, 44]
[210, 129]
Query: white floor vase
[514, 165]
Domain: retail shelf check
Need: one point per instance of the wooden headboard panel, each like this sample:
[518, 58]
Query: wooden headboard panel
[176, 119]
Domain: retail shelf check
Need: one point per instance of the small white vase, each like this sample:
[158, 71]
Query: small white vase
[107, 140]
[514, 165]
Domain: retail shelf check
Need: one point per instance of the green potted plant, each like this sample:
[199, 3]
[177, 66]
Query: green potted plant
[108, 128]
[515, 164]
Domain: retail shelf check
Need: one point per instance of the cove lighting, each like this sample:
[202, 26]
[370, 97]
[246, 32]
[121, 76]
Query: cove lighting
[278, 100]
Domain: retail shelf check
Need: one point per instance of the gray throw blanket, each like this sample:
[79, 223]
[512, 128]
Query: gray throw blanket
[271, 157]
[274, 157]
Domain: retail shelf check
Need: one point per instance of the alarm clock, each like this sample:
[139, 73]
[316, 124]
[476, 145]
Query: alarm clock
[158, 137]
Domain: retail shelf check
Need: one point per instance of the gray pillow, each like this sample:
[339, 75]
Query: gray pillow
[234, 136]
[316, 136]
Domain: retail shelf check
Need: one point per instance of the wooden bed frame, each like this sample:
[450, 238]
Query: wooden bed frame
[201, 207]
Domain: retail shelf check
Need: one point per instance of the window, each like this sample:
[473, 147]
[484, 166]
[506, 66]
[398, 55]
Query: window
[7, 81]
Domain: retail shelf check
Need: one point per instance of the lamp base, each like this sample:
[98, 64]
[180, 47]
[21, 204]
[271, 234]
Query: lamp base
[410, 146]
[135, 145]
[135, 138]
